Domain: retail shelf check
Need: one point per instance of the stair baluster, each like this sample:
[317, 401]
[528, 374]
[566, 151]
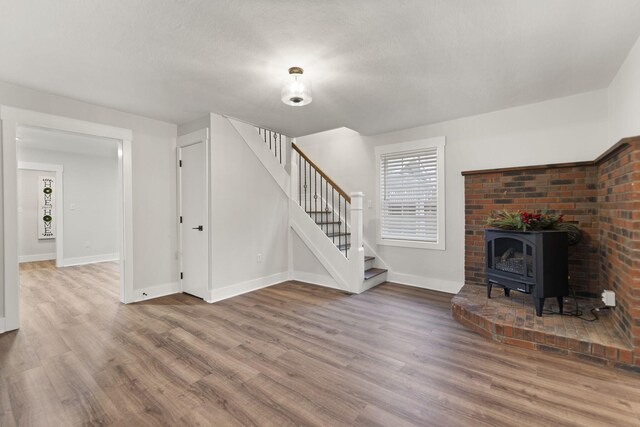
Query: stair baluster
[274, 141]
[330, 210]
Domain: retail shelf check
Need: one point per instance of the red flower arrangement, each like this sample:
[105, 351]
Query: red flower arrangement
[524, 221]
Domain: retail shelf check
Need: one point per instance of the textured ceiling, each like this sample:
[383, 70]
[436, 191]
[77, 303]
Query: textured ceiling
[375, 65]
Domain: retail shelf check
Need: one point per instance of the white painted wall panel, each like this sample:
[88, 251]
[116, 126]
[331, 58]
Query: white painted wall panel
[624, 98]
[306, 266]
[249, 215]
[90, 200]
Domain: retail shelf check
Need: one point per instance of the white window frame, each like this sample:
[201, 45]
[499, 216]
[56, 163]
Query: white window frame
[439, 143]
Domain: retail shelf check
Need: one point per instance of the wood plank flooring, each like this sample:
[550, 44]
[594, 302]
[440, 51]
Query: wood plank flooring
[291, 354]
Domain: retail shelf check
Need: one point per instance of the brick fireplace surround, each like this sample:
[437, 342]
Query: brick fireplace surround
[603, 198]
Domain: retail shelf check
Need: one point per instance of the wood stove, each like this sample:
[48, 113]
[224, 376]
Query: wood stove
[533, 262]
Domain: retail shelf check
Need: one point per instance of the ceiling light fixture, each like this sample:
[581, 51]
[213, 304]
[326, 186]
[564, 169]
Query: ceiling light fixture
[296, 91]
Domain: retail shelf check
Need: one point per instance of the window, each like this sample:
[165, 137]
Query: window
[411, 194]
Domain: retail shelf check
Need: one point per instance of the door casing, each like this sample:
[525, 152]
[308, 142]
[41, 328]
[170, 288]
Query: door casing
[11, 118]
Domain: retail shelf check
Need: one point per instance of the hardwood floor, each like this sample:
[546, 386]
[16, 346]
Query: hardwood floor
[291, 354]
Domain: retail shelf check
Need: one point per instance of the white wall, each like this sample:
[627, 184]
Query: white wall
[91, 206]
[30, 248]
[154, 183]
[250, 213]
[562, 130]
[306, 267]
[624, 98]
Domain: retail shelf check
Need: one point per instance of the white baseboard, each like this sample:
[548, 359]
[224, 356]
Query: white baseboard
[37, 257]
[68, 262]
[431, 283]
[315, 279]
[248, 286]
[155, 291]
[3, 327]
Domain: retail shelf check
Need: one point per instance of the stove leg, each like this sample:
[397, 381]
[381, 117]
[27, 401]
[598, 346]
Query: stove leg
[539, 303]
[489, 286]
[560, 301]
[507, 292]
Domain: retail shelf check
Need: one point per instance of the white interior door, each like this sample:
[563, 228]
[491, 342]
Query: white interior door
[195, 213]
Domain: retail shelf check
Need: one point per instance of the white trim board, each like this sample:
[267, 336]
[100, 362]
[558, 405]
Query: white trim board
[66, 124]
[315, 279]
[37, 257]
[248, 286]
[156, 291]
[59, 206]
[91, 259]
[430, 283]
[2, 325]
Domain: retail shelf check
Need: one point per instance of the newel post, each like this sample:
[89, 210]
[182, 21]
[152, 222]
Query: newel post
[356, 252]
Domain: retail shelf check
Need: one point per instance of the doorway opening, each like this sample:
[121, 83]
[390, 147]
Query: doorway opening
[75, 219]
[68, 201]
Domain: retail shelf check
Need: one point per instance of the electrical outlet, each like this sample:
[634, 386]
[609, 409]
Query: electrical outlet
[369, 204]
[259, 258]
[87, 244]
[609, 298]
[72, 207]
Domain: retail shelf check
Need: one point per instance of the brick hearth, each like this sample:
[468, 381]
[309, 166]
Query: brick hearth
[603, 198]
[512, 320]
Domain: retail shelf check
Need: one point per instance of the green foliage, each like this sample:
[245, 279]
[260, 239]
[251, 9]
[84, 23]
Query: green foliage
[524, 221]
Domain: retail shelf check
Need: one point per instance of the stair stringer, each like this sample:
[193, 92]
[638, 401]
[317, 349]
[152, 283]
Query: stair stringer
[269, 161]
[320, 245]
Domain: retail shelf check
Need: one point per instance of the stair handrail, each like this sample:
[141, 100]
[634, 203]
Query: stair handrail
[343, 222]
[322, 173]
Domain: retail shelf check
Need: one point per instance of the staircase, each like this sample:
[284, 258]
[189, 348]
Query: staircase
[327, 219]
[334, 230]
[329, 207]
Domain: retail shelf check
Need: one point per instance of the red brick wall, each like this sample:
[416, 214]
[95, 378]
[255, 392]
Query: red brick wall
[572, 191]
[619, 234]
[602, 198]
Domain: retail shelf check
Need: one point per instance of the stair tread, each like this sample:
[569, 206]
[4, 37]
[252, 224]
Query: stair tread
[373, 272]
[369, 258]
[338, 234]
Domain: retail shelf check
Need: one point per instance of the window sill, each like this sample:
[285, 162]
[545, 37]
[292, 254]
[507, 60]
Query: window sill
[440, 246]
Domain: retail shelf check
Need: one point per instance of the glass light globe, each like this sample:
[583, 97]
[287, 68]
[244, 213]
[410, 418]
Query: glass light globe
[296, 90]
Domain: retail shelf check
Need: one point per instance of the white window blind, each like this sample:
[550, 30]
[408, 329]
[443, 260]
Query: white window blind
[409, 195]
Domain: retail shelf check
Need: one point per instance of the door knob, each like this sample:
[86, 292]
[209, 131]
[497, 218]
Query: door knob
[200, 228]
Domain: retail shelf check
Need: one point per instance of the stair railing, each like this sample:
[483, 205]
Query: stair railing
[325, 202]
[276, 142]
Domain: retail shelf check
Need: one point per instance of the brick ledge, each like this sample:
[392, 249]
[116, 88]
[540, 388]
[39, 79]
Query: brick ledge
[472, 314]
